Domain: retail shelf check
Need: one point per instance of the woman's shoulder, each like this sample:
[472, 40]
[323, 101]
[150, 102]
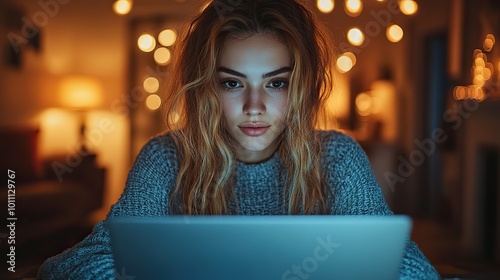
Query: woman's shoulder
[159, 149]
[335, 145]
[335, 139]
[161, 142]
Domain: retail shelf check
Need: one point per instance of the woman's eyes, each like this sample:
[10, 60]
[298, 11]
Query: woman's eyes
[277, 85]
[230, 85]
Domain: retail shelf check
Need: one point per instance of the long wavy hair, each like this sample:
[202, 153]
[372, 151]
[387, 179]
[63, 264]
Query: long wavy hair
[206, 151]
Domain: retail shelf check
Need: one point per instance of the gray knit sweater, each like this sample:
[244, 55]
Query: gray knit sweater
[258, 191]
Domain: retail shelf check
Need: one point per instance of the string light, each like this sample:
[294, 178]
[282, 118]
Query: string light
[122, 7]
[408, 7]
[146, 43]
[325, 6]
[162, 56]
[167, 37]
[153, 102]
[355, 37]
[344, 63]
[353, 7]
[151, 84]
[394, 33]
[489, 42]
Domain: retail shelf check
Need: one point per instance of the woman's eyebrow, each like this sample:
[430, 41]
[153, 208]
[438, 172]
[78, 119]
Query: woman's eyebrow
[267, 75]
[232, 72]
[277, 72]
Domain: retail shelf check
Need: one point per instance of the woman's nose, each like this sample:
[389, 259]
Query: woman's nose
[254, 103]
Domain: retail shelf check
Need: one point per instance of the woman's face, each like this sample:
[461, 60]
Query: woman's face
[254, 75]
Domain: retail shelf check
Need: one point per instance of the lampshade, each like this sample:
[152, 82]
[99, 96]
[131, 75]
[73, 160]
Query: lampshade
[80, 92]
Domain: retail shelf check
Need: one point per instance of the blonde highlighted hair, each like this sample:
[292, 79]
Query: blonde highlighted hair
[206, 155]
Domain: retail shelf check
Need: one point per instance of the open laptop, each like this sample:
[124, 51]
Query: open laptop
[259, 247]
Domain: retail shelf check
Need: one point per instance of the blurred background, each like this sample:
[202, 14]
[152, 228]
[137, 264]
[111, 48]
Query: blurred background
[82, 84]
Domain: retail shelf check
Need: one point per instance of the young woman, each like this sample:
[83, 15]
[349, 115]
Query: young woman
[249, 83]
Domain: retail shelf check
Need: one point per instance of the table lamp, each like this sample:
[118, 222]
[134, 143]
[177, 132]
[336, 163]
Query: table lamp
[81, 94]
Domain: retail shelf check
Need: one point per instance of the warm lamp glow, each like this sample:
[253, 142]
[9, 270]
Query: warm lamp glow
[355, 36]
[122, 7]
[384, 106]
[162, 56]
[353, 7]
[325, 6]
[408, 7]
[80, 92]
[394, 33]
[167, 37]
[153, 102]
[54, 137]
[146, 43]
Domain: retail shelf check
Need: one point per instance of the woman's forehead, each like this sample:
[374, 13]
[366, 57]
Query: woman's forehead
[254, 50]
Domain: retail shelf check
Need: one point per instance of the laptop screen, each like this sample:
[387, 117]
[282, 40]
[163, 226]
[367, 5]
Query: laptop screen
[260, 247]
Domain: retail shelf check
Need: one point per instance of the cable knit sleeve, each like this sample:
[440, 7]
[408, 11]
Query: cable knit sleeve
[145, 194]
[356, 192]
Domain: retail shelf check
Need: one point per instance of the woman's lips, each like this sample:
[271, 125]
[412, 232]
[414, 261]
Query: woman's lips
[254, 129]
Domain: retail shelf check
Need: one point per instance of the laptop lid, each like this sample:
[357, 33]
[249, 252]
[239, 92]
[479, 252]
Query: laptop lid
[259, 247]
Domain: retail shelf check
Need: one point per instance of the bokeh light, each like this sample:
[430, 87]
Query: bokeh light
[351, 56]
[325, 6]
[151, 84]
[489, 42]
[394, 33]
[344, 64]
[459, 92]
[162, 56]
[122, 7]
[146, 43]
[353, 7]
[355, 36]
[363, 104]
[408, 7]
[167, 37]
[153, 102]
